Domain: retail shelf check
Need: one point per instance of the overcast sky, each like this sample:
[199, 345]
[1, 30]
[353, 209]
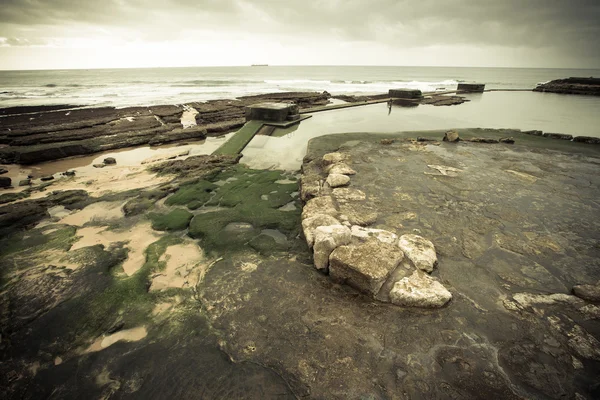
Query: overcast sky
[47, 34]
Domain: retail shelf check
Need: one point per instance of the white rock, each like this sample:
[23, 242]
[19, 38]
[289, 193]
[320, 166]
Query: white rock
[327, 239]
[333, 158]
[337, 180]
[419, 290]
[348, 194]
[320, 205]
[364, 266]
[340, 168]
[383, 236]
[419, 250]
[311, 223]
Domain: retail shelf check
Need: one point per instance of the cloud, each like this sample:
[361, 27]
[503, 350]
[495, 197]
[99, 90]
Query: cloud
[564, 28]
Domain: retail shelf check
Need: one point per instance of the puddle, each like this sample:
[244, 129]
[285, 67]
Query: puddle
[188, 118]
[127, 335]
[138, 237]
[185, 267]
[279, 237]
[100, 212]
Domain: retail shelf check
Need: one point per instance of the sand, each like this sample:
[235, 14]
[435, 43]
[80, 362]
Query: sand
[186, 265]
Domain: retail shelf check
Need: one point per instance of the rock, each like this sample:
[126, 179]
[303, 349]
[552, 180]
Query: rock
[451, 136]
[136, 206]
[561, 136]
[25, 182]
[484, 140]
[337, 180]
[424, 139]
[311, 223]
[363, 234]
[358, 213]
[320, 205]
[588, 292]
[534, 133]
[387, 142]
[586, 139]
[333, 158]
[471, 87]
[507, 140]
[419, 250]
[109, 161]
[364, 266]
[340, 168]
[344, 195]
[47, 178]
[69, 173]
[419, 290]
[99, 165]
[310, 187]
[3, 171]
[5, 181]
[327, 239]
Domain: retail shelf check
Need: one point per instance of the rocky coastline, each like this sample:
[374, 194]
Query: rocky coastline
[581, 86]
[391, 266]
[31, 135]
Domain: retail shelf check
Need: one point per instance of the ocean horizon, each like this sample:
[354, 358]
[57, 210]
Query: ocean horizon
[178, 85]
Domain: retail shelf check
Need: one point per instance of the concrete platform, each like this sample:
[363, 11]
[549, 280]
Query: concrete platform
[471, 87]
[405, 93]
[273, 112]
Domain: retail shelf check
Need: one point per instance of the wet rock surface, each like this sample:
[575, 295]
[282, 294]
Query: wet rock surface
[247, 315]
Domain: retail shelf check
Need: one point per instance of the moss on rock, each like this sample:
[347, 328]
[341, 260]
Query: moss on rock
[195, 193]
[176, 220]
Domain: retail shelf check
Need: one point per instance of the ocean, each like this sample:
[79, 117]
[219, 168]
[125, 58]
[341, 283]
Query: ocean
[129, 87]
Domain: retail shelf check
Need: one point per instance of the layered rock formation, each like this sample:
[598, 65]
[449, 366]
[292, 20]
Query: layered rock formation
[38, 134]
[585, 86]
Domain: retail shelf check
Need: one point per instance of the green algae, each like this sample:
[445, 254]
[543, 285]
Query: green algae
[175, 220]
[196, 193]
[10, 197]
[252, 197]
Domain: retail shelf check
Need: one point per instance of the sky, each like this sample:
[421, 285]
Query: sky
[64, 34]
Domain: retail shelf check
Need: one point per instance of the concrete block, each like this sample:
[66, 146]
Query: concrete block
[405, 93]
[274, 112]
[471, 87]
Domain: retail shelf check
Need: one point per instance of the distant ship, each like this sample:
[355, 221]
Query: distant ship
[259, 65]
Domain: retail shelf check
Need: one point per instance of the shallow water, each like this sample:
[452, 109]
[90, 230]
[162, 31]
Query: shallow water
[576, 115]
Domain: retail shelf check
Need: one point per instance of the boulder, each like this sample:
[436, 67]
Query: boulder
[344, 195]
[5, 181]
[419, 290]
[363, 234]
[387, 142]
[334, 158]
[588, 292]
[507, 140]
[340, 168]
[327, 239]
[69, 173]
[310, 186]
[47, 178]
[484, 140]
[451, 136]
[3, 171]
[337, 180]
[364, 266]
[534, 133]
[25, 182]
[320, 205]
[419, 250]
[358, 213]
[109, 161]
[311, 223]
[99, 165]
